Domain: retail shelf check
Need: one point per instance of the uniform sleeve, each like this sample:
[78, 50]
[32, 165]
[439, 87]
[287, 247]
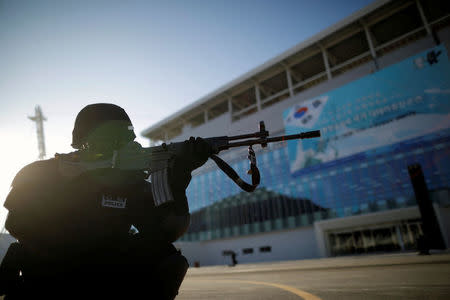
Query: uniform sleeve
[173, 217]
[27, 202]
[165, 223]
[192, 154]
[25, 186]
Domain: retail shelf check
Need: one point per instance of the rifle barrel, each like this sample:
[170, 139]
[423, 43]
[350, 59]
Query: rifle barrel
[302, 135]
[246, 136]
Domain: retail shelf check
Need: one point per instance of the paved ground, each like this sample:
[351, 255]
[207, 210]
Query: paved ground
[400, 276]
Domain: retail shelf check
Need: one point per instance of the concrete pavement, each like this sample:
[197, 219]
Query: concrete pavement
[388, 276]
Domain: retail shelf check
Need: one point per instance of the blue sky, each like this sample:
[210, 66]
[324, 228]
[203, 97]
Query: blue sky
[150, 57]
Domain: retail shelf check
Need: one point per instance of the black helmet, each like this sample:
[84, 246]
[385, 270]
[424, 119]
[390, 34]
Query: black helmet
[102, 121]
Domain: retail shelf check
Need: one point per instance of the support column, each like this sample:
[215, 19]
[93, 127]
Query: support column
[371, 47]
[289, 81]
[258, 97]
[426, 24]
[424, 19]
[230, 108]
[399, 237]
[325, 61]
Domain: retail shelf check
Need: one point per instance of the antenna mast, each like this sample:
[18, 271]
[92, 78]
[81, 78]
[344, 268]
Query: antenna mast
[39, 119]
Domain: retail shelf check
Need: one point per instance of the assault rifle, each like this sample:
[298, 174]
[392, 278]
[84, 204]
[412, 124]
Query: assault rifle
[156, 160]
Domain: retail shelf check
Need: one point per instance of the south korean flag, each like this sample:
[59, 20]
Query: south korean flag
[305, 114]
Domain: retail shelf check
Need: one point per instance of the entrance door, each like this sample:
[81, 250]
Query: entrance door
[387, 238]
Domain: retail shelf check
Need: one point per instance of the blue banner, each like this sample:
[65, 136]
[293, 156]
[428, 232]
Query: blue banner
[404, 101]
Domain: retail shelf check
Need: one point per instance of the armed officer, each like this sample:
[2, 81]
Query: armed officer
[73, 228]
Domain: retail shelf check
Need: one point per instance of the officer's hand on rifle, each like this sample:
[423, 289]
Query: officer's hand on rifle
[201, 151]
[190, 155]
[195, 152]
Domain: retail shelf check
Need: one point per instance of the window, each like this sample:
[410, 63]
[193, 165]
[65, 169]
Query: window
[247, 251]
[396, 25]
[308, 68]
[265, 249]
[244, 100]
[218, 110]
[197, 120]
[434, 9]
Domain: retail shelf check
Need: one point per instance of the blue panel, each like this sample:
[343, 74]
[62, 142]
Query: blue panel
[375, 114]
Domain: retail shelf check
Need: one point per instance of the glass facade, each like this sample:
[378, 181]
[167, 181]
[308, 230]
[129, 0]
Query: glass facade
[366, 182]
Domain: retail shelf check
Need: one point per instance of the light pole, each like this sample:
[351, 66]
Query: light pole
[39, 119]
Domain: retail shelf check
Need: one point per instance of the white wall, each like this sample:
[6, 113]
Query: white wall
[286, 245]
[443, 216]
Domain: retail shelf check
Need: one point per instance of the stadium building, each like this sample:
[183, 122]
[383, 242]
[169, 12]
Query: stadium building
[377, 85]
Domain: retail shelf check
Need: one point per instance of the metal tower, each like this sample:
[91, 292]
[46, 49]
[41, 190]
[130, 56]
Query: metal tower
[39, 119]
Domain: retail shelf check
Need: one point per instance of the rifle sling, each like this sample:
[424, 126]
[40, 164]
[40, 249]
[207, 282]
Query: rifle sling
[235, 177]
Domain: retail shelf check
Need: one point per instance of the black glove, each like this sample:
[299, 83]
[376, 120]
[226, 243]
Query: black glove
[192, 154]
[199, 151]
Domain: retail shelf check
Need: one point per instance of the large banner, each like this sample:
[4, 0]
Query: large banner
[404, 101]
